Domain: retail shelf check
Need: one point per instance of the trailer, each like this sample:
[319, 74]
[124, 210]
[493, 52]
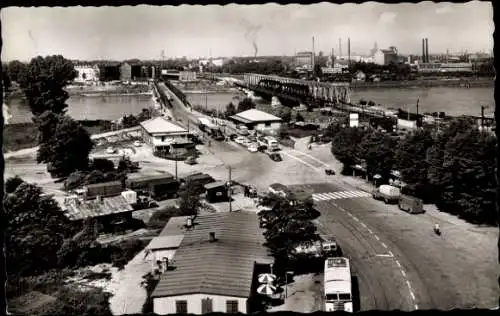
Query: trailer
[105, 189]
[411, 204]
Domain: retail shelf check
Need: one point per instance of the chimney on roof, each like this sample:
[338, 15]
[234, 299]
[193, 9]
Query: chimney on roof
[212, 237]
[423, 50]
[427, 50]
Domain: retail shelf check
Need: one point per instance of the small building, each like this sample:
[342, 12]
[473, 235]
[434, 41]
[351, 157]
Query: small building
[187, 76]
[87, 73]
[257, 120]
[161, 250]
[215, 267]
[216, 191]
[165, 136]
[157, 186]
[386, 56]
[360, 76]
[304, 59]
[125, 72]
[103, 189]
[111, 210]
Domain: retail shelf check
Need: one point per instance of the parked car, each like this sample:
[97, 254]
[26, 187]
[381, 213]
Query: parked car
[246, 143]
[239, 140]
[137, 143]
[253, 148]
[191, 160]
[110, 150]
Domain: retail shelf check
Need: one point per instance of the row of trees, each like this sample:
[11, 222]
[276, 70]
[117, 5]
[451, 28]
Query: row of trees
[288, 224]
[454, 169]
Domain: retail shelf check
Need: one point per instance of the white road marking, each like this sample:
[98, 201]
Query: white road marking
[412, 295]
[391, 253]
[377, 238]
[403, 273]
[370, 231]
[356, 219]
[364, 225]
[298, 159]
[384, 245]
[399, 264]
[384, 255]
[339, 195]
[416, 306]
[409, 285]
[309, 156]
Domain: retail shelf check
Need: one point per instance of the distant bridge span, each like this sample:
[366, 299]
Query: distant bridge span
[299, 90]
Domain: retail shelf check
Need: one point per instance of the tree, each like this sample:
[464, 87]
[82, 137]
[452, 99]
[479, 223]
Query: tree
[189, 199]
[6, 81]
[230, 109]
[377, 149]
[16, 71]
[299, 117]
[36, 229]
[246, 104]
[345, 145]
[283, 112]
[102, 164]
[46, 78]
[410, 160]
[12, 184]
[68, 149]
[286, 226]
[73, 301]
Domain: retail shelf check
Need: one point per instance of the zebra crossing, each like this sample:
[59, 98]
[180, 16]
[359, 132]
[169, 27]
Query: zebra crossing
[339, 195]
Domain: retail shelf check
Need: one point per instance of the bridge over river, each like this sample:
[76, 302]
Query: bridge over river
[297, 90]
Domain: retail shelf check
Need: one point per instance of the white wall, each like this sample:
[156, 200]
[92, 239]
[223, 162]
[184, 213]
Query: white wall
[406, 124]
[91, 73]
[168, 139]
[262, 126]
[166, 305]
[379, 58]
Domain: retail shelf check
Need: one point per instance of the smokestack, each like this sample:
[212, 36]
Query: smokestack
[423, 50]
[427, 49]
[340, 47]
[349, 50]
[313, 53]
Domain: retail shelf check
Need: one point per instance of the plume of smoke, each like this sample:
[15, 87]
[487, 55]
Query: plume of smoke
[251, 34]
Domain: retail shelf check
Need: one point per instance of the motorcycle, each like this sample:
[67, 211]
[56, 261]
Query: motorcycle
[437, 230]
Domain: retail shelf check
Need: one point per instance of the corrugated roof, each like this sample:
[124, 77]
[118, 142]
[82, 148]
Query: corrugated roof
[160, 124]
[254, 115]
[223, 267]
[164, 242]
[85, 209]
[212, 185]
[175, 226]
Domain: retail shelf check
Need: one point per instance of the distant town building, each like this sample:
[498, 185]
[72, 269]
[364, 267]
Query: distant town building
[386, 56]
[125, 72]
[444, 67]
[87, 73]
[303, 59]
[187, 76]
[360, 76]
[212, 62]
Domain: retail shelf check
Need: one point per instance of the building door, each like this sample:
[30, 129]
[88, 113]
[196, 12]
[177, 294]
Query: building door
[206, 305]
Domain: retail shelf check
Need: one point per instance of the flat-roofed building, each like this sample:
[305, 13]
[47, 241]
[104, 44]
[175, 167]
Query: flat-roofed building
[214, 268]
[165, 136]
[257, 120]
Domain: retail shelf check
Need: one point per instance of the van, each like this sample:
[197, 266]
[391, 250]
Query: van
[411, 204]
[243, 130]
[271, 143]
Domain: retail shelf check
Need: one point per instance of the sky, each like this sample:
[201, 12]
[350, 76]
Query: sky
[151, 32]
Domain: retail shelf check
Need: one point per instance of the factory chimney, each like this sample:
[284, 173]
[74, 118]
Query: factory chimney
[349, 50]
[423, 50]
[313, 54]
[427, 49]
[340, 47]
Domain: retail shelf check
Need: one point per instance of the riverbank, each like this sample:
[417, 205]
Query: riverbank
[451, 83]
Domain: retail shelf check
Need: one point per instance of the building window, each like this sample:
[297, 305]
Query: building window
[232, 306]
[206, 305]
[181, 307]
[163, 138]
[267, 124]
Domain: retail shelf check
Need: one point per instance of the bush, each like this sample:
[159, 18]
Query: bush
[72, 301]
[12, 183]
[122, 252]
[46, 283]
[102, 164]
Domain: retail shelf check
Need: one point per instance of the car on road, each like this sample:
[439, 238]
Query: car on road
[110, 150]
[275, 156]
[246, 143]
[253, 148]
[239, 140]
[137, 143]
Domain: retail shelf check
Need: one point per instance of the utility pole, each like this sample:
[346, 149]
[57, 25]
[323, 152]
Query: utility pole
[175, 163]
[482, 116]
[229, 192]
[417, 111]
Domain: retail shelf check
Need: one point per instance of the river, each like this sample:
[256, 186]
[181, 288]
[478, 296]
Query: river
[453, 101]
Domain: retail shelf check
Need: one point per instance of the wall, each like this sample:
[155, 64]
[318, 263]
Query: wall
[168, 139]
[166, 305]
[406, 124]
[262, 126]
[125, 72]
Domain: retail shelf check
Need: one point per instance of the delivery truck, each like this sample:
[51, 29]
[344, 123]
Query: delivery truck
[387, 193]
[411, 204]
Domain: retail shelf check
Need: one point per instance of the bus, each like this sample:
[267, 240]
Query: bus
[338, 285]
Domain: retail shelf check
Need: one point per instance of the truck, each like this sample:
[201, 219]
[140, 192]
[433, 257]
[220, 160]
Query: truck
[206, 126]
[387, 193]
[411, 204]
[338, 285]
[269, 142]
